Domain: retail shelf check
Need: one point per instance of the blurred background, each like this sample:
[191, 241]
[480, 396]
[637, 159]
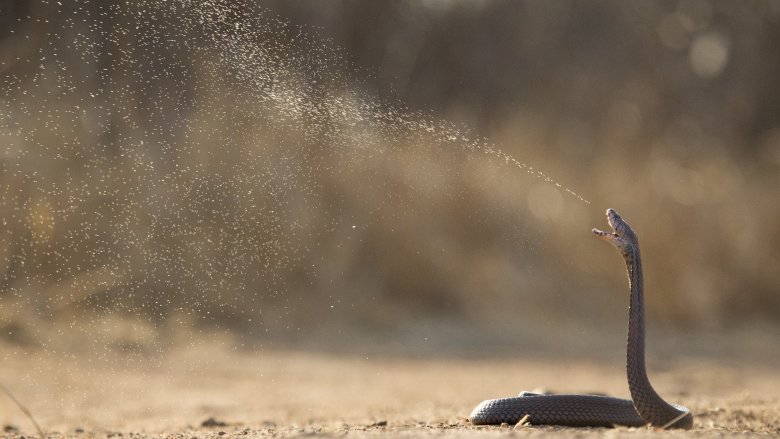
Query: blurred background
[325, 174]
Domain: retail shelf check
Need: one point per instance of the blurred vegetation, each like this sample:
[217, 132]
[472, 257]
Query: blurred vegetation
[199, 163]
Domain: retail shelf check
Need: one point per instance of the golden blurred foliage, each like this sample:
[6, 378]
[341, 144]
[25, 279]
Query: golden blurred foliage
[280, 168]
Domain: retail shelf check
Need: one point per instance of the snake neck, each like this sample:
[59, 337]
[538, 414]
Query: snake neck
[650, 406]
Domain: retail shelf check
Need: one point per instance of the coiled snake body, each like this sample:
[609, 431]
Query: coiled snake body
[645, 406]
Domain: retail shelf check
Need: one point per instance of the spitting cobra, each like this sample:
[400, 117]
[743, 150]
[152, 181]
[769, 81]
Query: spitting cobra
[645, 406]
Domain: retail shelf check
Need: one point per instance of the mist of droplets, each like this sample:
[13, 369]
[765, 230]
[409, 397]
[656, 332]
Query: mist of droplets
[166, 159]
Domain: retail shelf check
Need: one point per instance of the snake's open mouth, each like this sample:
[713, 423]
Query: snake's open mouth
[613, 219]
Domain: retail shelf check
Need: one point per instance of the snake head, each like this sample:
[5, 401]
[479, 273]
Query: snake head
[622, 236]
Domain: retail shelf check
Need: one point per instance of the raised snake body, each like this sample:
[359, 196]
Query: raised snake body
[645, 406]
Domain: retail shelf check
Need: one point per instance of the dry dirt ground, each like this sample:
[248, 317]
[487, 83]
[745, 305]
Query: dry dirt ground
[212, 391]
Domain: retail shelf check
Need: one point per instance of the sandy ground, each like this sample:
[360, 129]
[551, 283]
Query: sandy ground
[286, 393]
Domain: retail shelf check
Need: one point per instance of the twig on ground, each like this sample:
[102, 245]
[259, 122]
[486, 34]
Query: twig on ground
[522, 423]
[23, 409]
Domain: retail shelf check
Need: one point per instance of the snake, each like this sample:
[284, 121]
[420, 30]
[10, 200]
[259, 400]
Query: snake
[645, 408]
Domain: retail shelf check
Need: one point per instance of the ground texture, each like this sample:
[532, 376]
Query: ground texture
[212, 391]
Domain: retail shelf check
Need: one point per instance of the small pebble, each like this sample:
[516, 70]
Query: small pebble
[211, 422]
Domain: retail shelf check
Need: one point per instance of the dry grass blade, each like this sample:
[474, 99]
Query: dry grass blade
[23, 409]
[522, 423]
[673, 421]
